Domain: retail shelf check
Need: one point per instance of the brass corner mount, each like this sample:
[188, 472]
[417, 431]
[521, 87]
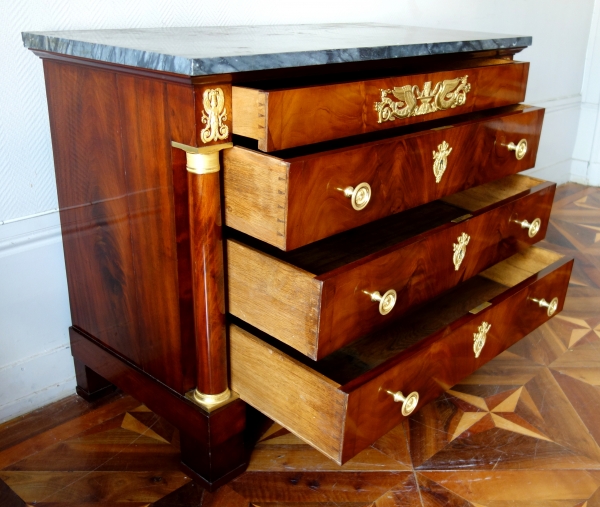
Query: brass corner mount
[211, 402]
[202, 160]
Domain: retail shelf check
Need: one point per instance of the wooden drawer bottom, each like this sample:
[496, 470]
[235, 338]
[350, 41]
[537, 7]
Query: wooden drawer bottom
[342, 404]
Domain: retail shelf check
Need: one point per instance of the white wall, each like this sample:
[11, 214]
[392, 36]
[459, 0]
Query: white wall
[35, 366]
[586, 156]
[35, 363]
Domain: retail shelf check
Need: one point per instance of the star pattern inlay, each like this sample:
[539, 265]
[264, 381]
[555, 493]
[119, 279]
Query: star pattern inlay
[477, 414]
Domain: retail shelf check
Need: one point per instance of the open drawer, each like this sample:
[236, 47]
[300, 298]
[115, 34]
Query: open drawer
[342, 404]
[282, 118]
[293, 198]
[322, 296]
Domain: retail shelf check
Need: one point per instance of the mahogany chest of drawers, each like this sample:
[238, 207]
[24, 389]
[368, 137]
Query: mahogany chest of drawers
[325, 225]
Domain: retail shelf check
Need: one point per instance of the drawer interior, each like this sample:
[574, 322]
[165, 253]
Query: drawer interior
[408, 66]
[361, 356]
[338, 251]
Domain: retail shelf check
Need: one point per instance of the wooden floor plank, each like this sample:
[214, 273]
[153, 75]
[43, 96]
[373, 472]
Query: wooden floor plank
[65, 430]
[43, 419]
[8, 498]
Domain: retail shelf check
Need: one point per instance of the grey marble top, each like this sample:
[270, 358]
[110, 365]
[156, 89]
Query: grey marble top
[201, 51]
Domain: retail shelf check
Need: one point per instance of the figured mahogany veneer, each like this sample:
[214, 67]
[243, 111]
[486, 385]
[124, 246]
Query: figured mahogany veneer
[126, 239]
[291, 199]
[284, 118]
[340, 405]
[313, 298]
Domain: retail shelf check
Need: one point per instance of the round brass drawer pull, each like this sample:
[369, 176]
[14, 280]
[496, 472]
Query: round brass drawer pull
[386, 302]
[359, 196]
[520, 148]
[409, 403]
[551, 306]
[533, 227]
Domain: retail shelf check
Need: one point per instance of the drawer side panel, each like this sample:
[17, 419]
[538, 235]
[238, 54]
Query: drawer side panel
[307, 404]
[256, 194]
[273, 296]
[249, 118]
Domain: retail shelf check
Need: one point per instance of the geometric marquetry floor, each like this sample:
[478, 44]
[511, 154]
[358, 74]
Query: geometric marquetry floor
[524, 430]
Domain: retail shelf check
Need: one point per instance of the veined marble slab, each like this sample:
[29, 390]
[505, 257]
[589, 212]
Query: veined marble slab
[200, 51]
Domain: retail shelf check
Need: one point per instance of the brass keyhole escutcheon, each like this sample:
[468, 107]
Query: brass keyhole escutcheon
[480, 337]
[520, 148]
[551, 307]
[409, 403]
[359, 196]
[460, 250]
[440, 160]
[386, 302]
[533, 227]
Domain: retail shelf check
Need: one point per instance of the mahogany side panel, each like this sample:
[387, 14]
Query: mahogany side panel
[181, 116]
[125, 229]
[92, 195]
[311, 114]
[147, 162]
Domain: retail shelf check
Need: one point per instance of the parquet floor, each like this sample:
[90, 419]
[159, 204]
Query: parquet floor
[524, 430]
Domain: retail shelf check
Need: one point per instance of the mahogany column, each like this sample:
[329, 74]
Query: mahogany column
[207, 273]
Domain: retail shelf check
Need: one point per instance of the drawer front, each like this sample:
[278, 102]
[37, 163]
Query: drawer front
[440, 362]
[291, 117]
[341, 420]
[427, 267]
[294, 202]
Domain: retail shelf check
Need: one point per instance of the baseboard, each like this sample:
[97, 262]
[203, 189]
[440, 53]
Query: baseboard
[37, 399]
[585, 168]
[585, 173]
[36, 366]
[558, 173]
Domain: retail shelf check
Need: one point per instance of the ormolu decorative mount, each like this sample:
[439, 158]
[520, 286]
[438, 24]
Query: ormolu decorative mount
[446, 94]
[480, 337]
[440, 160]
[214, 115]
[202, 160]
[460, 249]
